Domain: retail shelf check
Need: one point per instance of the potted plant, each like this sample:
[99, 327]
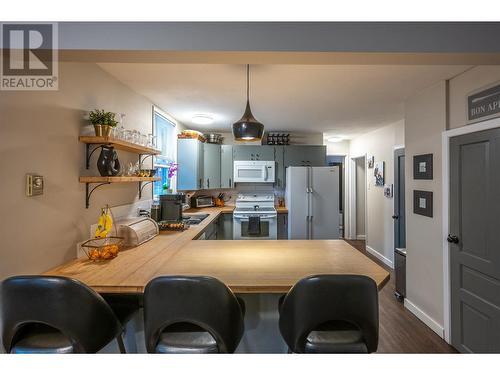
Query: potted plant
[103, 122]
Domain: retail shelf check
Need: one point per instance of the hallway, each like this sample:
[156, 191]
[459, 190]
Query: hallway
[400, 330]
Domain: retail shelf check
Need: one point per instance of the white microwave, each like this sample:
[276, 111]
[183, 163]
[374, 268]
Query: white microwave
[254, 171]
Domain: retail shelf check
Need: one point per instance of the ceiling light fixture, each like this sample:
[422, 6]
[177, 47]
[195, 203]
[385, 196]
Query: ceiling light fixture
[202, 119]
[335, 139]
[248, 128]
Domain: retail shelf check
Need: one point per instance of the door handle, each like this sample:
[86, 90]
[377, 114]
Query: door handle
[452, 239]
[395, 216]
[208, 183]
[201, 183]
[229, 182]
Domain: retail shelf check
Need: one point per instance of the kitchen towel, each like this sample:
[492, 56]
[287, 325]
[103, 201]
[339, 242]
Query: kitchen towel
[254, 225]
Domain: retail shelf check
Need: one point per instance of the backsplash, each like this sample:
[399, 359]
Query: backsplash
[231, 194]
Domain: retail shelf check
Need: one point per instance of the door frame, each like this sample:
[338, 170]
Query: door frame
[445, 145]
[352, 197]
[395, 191]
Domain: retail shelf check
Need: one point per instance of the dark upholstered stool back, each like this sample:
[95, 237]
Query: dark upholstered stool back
[200, 301]
[322, 301]
[63, 305]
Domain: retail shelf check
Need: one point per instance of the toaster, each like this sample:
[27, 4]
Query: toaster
[202, 201]
[137, 230]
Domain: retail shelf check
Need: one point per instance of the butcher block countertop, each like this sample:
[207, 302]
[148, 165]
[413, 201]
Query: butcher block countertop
[255, 266]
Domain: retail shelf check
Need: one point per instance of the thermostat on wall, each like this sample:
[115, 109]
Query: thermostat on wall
[34, 185]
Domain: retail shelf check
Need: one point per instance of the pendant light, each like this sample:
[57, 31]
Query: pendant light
[248, 128]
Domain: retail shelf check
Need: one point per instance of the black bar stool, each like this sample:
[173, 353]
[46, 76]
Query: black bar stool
[49, 314]
[331, 314]
[191, 315]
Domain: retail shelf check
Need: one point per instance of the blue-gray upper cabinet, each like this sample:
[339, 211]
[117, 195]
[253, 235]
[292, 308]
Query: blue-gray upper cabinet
[279, 158]
[249, 152]
[190, 161]
[226, 166]
[305, 156]
[211, 166]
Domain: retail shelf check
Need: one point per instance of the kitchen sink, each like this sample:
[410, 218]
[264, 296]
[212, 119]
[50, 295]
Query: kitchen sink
[194, 219]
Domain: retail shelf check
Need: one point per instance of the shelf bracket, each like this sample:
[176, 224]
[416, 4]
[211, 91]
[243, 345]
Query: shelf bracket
[142, 160]
[88, 154]
[141, 187]
[88, 192]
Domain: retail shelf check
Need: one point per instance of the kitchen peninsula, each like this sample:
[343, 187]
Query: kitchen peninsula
[245, 266]
[259, 271]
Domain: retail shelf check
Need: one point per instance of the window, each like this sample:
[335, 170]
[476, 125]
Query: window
[164, 128]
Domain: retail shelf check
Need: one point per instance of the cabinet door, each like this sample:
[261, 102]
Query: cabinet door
[226, 167]
[305, 156]
[316, 156]
[211, 166]
[279, 157]
[282, 226]
[190, 160]
[248, 152]
[225, 227]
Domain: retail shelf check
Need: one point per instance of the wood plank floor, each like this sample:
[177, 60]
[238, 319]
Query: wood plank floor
[400, 330]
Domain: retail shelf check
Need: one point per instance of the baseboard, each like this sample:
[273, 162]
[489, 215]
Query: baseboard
[379, 256]
[426, 319]
[361, 237]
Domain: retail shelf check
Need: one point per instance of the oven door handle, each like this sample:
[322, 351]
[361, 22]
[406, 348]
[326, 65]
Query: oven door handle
[272, 216]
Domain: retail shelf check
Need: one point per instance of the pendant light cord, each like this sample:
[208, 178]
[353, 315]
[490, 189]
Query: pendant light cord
[248, 82]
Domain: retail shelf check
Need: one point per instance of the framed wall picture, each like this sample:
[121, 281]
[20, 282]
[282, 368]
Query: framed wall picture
[422, 202]
[378, 173]
[388, 191]
[370, 160]
[422, 167]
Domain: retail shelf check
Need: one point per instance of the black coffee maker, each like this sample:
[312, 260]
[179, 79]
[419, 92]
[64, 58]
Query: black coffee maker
[171, 207]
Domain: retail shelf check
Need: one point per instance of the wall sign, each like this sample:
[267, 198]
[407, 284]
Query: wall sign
[422, 167]
[422, 203]
[484, 104]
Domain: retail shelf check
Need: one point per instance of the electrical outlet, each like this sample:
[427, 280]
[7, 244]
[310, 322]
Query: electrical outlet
[34, 185]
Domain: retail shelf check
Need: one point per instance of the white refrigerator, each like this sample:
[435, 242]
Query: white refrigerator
[312, 199]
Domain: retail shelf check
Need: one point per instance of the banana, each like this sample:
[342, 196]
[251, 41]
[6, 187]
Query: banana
[104, 224]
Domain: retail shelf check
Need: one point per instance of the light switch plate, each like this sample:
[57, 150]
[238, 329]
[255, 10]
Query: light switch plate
[34, 185]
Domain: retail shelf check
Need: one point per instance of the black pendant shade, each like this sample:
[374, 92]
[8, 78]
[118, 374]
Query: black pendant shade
[248, 128]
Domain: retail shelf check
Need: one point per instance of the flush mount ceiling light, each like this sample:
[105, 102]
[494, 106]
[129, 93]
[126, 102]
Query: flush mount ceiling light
[248, 128]
[335, 139]
[202, 119]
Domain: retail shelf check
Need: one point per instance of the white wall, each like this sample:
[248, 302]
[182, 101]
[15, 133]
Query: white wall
[360, 197]
[425, 119]
[39, 134]
[380, 227]
[337, 148]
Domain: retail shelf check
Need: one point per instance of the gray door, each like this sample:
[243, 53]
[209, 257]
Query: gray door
[474, 244]
[399, 199]
[226, 166]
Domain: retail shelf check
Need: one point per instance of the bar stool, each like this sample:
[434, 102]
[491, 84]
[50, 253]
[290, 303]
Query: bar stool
[49, 314]
[191, 315]
[331, 314]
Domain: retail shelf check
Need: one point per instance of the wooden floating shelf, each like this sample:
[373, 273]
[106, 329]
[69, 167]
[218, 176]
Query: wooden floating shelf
[99, 179]
[119, 145]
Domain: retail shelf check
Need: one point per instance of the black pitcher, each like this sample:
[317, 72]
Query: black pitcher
[108, 163]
